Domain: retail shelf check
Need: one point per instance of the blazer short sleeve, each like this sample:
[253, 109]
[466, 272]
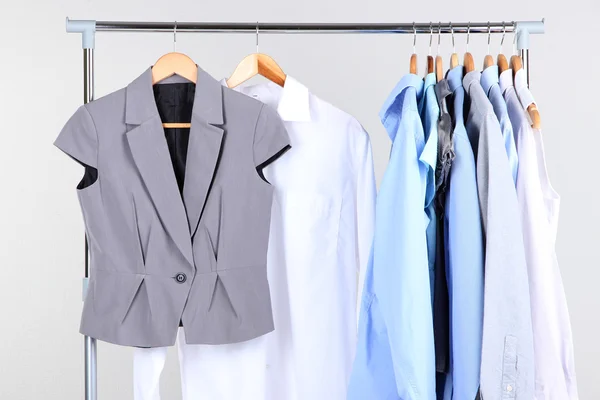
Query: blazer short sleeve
[78, 138]
[271, 139]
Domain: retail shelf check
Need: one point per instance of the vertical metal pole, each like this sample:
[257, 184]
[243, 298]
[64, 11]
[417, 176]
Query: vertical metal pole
[525, 58]
[91, 392]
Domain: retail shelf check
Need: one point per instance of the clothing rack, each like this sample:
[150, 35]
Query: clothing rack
[89, 28]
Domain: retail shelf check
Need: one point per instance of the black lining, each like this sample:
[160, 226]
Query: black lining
[175, 102]
[89, 176]
[261, 166]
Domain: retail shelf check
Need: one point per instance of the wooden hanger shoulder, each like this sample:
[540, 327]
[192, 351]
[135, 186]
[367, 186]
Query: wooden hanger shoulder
[413, 64]
[516, 63]
[174, 64]
[454, 60]
[256, 64]
[488, 61]
[430, 65]
[502, 63]
[469, 63]
[439, 68]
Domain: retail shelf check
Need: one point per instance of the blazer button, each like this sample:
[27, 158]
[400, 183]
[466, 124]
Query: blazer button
[180, 278]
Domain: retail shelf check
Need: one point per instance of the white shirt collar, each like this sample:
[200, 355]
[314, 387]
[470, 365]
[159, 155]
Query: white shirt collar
[523, 89]
[506, 80]
[294, 99]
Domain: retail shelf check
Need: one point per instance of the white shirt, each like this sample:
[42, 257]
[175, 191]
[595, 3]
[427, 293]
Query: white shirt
[539, 206]
[321, 233]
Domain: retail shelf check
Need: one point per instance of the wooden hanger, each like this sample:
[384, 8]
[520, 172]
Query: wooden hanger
[454, 56]
[439, 66]
[536, 122]
[413, 58]
[468, 60]
[174, 63]
[502, 63]
[257, 64]
[430, 61]
[501, 60]
[413, 63]
[488, 60]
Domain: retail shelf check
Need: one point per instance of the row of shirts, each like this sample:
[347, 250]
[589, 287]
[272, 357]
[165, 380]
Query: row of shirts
[465, 298]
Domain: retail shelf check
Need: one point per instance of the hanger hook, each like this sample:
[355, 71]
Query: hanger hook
[514, 39]
[439, 37]
[414, 38]
[503, 36]
[175, 37]
[430, 35]
[468, 34]
[453, 43]
[489, 36]
[257, 37]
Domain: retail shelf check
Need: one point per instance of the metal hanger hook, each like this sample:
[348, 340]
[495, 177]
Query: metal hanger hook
[514, 39]
[257, 37]
[439, 37]
[503, 36]
[414, 38]
[489, 36]
[468, 35]
[453, 43]
[175, 37]
[430, 35]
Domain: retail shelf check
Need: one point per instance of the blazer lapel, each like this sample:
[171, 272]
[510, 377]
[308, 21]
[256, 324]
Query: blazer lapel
[151, 156]
[204, 149]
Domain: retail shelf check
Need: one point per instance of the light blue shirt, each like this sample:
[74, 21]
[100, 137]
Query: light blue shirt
[395, 355]
[489, 83]
[464, 249]
[429, 110]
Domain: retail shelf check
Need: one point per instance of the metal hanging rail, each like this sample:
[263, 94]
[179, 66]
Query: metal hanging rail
[88, 29]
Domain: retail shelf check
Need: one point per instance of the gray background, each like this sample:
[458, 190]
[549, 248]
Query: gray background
[41, 230]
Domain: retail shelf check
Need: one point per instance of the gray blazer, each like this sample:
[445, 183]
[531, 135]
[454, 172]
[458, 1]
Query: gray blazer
[160, 255]
[507, 364]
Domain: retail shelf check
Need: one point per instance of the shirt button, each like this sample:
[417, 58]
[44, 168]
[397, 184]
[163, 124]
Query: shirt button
[509, 388]
[180, 278]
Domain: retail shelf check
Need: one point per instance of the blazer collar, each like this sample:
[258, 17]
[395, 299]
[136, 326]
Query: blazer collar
[141, 106]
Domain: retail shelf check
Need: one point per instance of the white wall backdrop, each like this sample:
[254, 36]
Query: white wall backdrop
[41, 230]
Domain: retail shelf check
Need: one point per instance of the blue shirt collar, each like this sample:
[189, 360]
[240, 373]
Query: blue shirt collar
[455, 76]
[429, 81]
[489, 78]
[389, 106]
